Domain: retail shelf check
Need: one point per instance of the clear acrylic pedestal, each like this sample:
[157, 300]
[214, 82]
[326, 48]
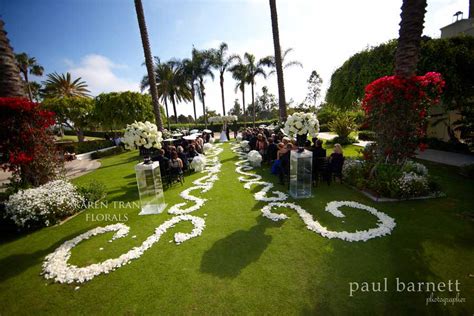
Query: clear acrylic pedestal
[301, 174]
[150, 188]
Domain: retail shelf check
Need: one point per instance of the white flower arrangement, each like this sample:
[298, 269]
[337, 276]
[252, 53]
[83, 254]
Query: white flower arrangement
[254, 158]
[238, 139]
[206, 147]
[198, 163]
[411, 184]
[56, 265]
[385, 223]
[139, 134]
[245, 145]
[301, 123]
[44, 205]
[223, 119]
[416, 167]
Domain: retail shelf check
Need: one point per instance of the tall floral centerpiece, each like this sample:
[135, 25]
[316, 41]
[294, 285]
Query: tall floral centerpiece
[301, 124]
[390, 98]
[142, 136]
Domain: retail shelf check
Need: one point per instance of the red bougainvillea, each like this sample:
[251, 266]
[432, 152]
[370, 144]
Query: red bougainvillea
[26, 144]
[396, 111]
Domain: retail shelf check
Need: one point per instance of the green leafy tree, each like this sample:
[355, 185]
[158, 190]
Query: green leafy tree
[62, 85]
[114, 110]
[75, 112]
[28, 65]
[236, 109]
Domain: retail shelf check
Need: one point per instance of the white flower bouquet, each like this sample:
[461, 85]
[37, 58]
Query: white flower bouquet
[238, 138]
[198, 163]
[245, 145]
[141, 134]
[206, 147]
[254, 158]
[301, 123]
[44, 205]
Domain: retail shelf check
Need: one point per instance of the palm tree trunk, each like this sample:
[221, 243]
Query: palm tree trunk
[253, 105]
[278, 62]
[204, 110]
[30, 95]
[411, 28]
[148, 62]
[222, 93]
[174, 109]
[167, 114]
[11, 84]
[194, 100]
[243, 105]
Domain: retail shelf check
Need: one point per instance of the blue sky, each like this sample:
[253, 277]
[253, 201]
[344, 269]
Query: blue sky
[99, 39]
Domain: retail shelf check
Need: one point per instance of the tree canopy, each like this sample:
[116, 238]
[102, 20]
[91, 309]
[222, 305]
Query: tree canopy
[452, 57]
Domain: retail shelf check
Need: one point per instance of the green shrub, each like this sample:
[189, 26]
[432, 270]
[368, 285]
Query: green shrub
[384, 180]
[92, 191]
[343, 125]
[342, 140]
[366, 135]
[109, 152]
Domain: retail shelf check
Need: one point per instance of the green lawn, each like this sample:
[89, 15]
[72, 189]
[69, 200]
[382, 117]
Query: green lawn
[244, 263]
[73, 138]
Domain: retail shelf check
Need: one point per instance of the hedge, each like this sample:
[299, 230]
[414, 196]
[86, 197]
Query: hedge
[84, 147]
[366, 135]
[99, 134]
[217, 127]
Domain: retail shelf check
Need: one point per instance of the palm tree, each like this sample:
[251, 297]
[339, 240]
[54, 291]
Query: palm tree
[163, 76]
[278, 61]
[179, 89]
[190, 66]
[203, 69]
[239, 73]
[62, 85]
[148, 62]
[27, 65]
[411, 28]
[221, 63]
[271, 62]
[11, 84]
[171, 83]
[253, 70]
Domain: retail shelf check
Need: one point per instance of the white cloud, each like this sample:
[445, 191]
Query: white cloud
[98, 72]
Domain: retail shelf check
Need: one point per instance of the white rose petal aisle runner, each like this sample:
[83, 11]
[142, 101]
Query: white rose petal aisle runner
[56, 265]
[385, 223]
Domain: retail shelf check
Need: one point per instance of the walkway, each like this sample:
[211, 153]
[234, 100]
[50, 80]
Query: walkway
[73, 169]
[439, 156]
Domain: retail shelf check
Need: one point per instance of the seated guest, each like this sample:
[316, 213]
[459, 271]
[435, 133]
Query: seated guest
[318, 149]
[192, 152]
[261, 144]
[272, 151]
[176, 164]
[162, 160]
[253, 142]
[182, 155]
[276, 164]
[336, 160]
[307, 145]
[285, 163]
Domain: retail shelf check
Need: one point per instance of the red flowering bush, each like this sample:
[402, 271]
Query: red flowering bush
[26, 144]
[396, 110]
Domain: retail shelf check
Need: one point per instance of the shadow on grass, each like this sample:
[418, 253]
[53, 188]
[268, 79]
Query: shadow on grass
[14, 265]
[229, 256]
